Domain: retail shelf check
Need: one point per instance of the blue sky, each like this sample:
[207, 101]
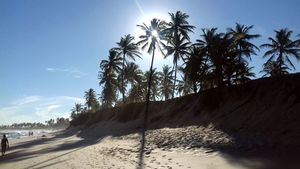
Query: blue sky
[50, 50]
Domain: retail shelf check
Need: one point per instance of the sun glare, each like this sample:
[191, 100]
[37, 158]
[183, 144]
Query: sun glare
[147, 19]
[154, 34]
[159, 58]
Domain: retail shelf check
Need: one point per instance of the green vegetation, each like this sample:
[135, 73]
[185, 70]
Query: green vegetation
[57, 123]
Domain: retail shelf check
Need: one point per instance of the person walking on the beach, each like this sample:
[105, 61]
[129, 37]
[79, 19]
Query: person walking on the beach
[4, 144]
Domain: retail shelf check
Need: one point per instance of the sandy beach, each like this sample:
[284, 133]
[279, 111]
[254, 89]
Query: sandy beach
[67, 150]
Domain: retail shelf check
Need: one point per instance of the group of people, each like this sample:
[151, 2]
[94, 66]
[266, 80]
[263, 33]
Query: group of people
[4, 144]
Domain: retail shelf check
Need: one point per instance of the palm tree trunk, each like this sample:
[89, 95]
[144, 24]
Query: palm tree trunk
[145, 120]
[174, 86]
[280, 63]
[195, 87]
[219, 76]
[123, 67]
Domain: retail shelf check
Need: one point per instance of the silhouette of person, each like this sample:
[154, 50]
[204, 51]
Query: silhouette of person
[4, 144]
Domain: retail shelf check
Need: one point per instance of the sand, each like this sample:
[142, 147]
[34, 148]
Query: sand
[64, 150]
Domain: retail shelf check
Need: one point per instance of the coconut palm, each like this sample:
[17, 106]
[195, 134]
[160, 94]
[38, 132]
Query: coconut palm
[273, 69]
[179, 25]
[76, 110]
[132, 73]
[134, 76]
[90, 98]
[151, 40]
[245, 73]
[184, 87]
[283, 47]
[108, 78]
[218, 47]
[176, 47]
[113, 64]
[155, 83]
[242, 39]
[195, 67]
[166, 81]
[129, 49]
[178, 39]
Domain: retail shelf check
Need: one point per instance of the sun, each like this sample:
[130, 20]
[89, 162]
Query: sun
[147, 19]
[137, 32]
[154, 34]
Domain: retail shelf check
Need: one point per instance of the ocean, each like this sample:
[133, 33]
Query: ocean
[19, 133]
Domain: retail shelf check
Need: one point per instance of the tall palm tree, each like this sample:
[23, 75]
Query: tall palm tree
[177, 47]
[113, 64]
[166, 79]
[132, 73]
[217, 46]
[128, 48]
[151, 39]
[242, 39]
[76, 110]
[155, 83]
[108, 78]
[184, 87]
[242, 43]
[90, 98]
[195, 67]
[179, 25]
[273, 69]
[245, 73]
[283, 47]
[178, 39]
[134, 76]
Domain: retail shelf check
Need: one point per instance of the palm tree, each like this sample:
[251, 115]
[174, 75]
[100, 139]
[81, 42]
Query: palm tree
[166, 79]
[151, 39]
[127, 48]
[242, 38]
[179, 25]
[108, 78]
[76, 110]
[184, 87]
[283, 47]
[217, 46]
[108, 94]
[90, 98]
[245, 73]
[178, 48]
[274, 69]
[155, 83]
[178, 39]
[113, 64]
[195, 67]
[134, 76]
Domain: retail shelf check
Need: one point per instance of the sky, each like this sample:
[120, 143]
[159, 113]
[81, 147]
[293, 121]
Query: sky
[50, 50]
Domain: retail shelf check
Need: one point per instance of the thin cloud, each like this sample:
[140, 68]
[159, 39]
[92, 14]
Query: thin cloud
[70, 72]
[37, 109]
[29, 99]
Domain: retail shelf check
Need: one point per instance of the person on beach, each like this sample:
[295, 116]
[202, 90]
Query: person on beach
[4, 144]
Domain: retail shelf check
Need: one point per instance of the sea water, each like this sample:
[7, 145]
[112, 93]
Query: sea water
[17, 134]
